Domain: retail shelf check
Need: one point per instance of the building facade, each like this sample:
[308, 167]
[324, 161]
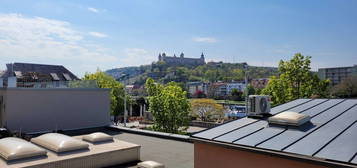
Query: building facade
[239, 86]
[337, 74]
[173, 60]
[195, 87]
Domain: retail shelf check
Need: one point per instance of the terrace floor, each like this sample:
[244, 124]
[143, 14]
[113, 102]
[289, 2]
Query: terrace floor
[171, 153]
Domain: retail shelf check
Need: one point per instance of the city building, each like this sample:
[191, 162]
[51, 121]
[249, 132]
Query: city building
[218, 89]
[328, 139]
[239, 86]
[336, 74]
[221, 89]
[173, 60]
[37, 75]
[195, 87]
[259, 83]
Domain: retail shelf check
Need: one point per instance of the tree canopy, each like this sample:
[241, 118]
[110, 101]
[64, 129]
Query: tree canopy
[207, 109]
[347, 88]
[295, 81]
[169, 106]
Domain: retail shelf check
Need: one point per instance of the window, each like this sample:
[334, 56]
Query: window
[54, 76]
[18, 74]
[66, 76]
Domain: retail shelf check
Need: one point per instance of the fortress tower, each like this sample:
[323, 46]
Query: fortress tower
[173, 60]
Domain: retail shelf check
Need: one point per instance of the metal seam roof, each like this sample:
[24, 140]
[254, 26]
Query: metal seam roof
[331, 136]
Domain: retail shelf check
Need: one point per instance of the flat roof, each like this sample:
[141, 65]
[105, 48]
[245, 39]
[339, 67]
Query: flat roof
[171, 153]
[331, 136]
[337, 67]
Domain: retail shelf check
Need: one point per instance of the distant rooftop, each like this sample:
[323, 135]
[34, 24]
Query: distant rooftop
[342, 67]
[331, 136]
[41, 72]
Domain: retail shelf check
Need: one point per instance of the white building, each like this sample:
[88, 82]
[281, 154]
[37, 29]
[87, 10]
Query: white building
[239, 86]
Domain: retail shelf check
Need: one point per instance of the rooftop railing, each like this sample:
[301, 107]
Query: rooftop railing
[59, 84]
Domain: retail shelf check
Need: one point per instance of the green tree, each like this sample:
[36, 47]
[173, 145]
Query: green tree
[347, 88]
[116, 90]
[236, 94]
[211, 75]
[206, 109]
[238, 74]
[295, 81]
[169, 106]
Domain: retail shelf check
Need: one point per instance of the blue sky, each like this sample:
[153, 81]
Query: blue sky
[86, 35]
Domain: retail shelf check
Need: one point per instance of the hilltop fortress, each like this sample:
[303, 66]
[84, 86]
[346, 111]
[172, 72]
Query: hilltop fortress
[173, 60]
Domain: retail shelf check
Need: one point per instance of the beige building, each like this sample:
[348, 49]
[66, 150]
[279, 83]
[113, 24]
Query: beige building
[337, 74]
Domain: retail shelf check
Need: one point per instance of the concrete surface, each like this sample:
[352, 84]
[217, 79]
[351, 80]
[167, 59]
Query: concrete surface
[172, 153]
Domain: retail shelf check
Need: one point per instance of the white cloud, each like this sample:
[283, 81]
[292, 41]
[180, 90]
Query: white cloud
[96, 10]
[93, 9]
[97, 34]
[204, 39]
[41, 40]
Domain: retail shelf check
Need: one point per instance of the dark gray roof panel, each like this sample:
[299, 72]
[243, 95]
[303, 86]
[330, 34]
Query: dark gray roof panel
[219, 130]
[354, 160]
[317, 139]
[331, 135]
[260, 136]
[233, 136]
[288, 105]
[290, 136]
[334, 111]
[322, 107]
[343, 147]
[308, 105]
[269, 132]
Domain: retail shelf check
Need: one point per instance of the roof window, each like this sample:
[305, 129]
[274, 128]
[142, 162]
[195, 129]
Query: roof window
[289, 118]
[66, 76]
[18, 74]
[55, 76]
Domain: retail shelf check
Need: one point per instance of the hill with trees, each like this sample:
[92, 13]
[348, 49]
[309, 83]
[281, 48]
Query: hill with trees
[210, 72]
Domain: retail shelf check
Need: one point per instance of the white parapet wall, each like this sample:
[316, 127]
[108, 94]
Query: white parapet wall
[40, 110]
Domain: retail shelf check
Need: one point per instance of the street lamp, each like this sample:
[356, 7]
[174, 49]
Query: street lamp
[125, 111]
[245, 67]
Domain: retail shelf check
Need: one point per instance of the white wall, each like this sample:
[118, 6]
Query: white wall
[38, 110]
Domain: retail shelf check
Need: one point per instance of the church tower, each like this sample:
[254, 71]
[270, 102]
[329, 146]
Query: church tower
[203, 58]
[160, 59]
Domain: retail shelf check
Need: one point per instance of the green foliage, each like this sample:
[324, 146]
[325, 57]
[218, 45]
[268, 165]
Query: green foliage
[169, 106]
[347, 88]
[295, 81]
[212, 71]
[116, 90]
[250, 89]
[236, 95]
[206, 109]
